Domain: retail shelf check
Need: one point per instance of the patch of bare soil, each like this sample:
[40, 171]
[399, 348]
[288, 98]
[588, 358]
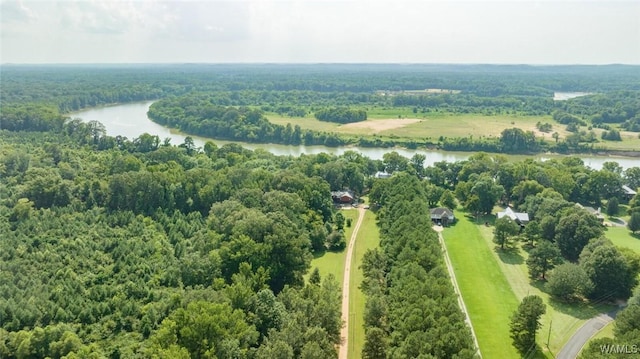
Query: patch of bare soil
[381, 125]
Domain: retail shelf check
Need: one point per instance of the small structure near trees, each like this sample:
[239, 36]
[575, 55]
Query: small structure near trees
[442, 215]
[520, 218]
[342, 197]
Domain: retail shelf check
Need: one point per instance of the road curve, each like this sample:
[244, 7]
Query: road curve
[582, 335]
[344, 332]
[456, 289]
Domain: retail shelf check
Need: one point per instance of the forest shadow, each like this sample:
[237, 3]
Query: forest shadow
[577, 309]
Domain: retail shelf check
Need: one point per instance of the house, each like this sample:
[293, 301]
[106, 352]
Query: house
[382, 175]
[628, 193]
[342, 196]
[520, 218]
[593, 211]
[442, 215]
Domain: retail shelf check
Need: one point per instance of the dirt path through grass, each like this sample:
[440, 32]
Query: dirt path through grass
[344, 332]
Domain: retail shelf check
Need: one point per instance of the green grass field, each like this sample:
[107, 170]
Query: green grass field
[485, 290]
[432, 125]
[333, 262]
[561, 319]
[621, 237]
[368, 238]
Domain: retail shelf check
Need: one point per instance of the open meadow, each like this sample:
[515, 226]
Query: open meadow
[494, 281]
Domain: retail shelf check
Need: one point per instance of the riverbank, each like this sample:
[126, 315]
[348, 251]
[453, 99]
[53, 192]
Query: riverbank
[130, 120]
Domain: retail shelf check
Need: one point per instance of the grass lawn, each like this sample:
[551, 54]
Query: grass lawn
[622, 237]
[368, 238]
[485, 290]
[333, 262]
[606, 332]
[563, 318]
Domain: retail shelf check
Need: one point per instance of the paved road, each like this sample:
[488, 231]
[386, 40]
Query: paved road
[456, 289]
[344, 332]
[582, 336]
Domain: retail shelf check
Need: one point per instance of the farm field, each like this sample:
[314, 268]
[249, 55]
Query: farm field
[425, 125]
[402, 123]
[368, 238]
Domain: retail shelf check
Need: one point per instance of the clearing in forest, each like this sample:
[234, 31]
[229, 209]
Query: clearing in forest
[376, 126]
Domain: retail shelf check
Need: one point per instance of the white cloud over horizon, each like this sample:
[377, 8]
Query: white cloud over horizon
[301, 31]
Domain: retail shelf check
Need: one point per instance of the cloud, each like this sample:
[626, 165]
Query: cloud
[15, 11]
[100, 17]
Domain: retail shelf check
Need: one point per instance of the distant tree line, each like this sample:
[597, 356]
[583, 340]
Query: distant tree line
[341, 115]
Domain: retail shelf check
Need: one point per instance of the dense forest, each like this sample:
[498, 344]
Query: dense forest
[120, 253]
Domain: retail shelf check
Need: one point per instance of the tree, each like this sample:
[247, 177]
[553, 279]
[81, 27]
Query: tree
[488, 192]
[393, 162]
[505, 228]
[612, 206]
[448, 200]
[375, 344]
[203, 327]
[632, 177]
[417, 162]
[525, 322]
[434, 193]
[314, 278]
[569, 282]
[609, 271]
[543, 258]
[634, 222]
[574, 230]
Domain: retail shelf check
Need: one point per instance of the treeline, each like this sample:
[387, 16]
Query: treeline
[469, 103]
[76, 87]
[169, 251]
[601, 110]
[341, 115]
[411, 309]
[197, 115]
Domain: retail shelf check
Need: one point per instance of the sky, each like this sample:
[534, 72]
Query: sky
[320, 31]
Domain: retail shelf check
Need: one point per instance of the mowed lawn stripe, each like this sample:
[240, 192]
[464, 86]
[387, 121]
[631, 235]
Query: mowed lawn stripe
[485, 290]
[368, 238]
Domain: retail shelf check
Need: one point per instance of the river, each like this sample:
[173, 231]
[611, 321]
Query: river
[130, 120]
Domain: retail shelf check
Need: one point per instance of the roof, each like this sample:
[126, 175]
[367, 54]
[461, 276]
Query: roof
[595, 212]
[340, 194]
[440, 211]
[628, 190]
[382, 174]
[516, 216]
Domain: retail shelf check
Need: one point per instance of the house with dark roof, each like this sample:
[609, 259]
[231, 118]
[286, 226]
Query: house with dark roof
[628, 193]
[520, 218]
[442, 215]
[342, 197]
